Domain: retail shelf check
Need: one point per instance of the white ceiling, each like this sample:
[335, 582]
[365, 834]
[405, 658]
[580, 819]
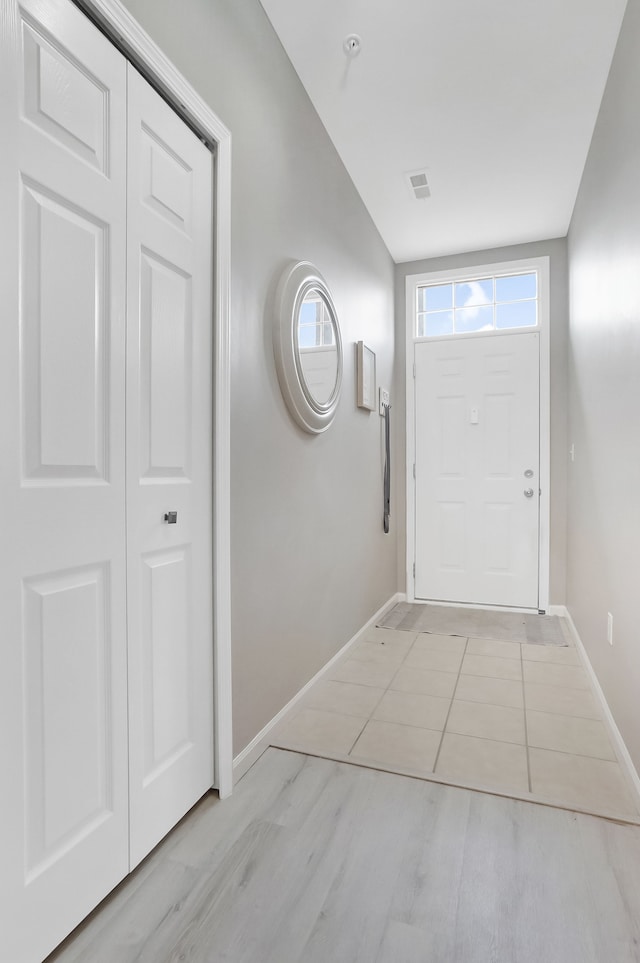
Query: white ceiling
[496, 99]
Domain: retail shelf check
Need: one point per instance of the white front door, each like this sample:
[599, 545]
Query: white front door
[169, 468]
[477, 445]
[63, 669]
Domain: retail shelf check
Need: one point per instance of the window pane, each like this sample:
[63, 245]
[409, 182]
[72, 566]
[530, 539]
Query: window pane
[437, 297]
[474, 292]
[308, 312]
[307, 335]
[328, 333]
[478, 304]
[521, 314]
[516, 287]
[474, 319]
[437, 323]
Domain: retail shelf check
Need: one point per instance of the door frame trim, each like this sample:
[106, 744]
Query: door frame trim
[128, 36]
[541, 265]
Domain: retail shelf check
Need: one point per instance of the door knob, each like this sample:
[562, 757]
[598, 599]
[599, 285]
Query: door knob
[171, 518]
[528, 493]
[528, 473]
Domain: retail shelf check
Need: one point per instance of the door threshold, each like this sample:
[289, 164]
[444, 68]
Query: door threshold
[479, 605]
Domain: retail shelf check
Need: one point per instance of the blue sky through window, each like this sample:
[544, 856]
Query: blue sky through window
[478, 304]
[471, 293]
[517, 287]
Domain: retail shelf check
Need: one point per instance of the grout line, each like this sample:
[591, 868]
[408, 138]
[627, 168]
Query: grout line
[565, 715]
[400, 664]
[412, 725]
[366, 723]
[578, 755]
[524, 712]
[453, 695]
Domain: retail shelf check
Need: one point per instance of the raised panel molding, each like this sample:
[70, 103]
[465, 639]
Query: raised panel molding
[451, 424]
[452, 527]
[498, 364]
[499, 444]
[450, 368]
[165, 370]
[498, 519]
[64, 99]
[167, 182]
[62, 351]
[166, 664]
[67, 706]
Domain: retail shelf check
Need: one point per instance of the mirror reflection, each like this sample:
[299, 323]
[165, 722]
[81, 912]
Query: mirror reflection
[317, 349]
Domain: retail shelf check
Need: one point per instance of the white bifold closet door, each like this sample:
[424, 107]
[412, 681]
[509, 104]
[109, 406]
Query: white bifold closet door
[169, 444]
[105, 417]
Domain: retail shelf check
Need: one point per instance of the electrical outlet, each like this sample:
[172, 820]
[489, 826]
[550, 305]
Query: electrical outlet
[384, 400]
[609, 628]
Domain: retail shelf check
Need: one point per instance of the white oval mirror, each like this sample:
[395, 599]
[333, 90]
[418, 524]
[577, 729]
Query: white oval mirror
[307, 346]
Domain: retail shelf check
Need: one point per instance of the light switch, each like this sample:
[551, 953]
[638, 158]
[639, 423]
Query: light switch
[474, 416]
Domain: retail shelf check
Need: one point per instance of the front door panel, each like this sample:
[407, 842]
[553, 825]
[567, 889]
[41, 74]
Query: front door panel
[477, 435]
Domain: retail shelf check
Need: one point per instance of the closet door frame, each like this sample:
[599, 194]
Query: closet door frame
[126, 34]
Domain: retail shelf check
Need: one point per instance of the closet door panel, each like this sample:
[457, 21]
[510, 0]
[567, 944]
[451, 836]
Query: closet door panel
[63, 698]
[169, 427]
[65, 303]
[165, 369]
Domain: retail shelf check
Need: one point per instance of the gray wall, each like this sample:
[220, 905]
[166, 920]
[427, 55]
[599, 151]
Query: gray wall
[556, 250]
[310, 563]
[604, 480]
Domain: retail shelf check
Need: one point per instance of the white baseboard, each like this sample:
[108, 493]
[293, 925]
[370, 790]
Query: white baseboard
[619, 745]
[251, 753]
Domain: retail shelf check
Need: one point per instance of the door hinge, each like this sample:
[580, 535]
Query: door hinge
[414, 569]
[414, 369]
[414, 469]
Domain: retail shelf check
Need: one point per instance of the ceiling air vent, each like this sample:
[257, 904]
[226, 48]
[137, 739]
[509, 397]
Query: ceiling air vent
[419, 185]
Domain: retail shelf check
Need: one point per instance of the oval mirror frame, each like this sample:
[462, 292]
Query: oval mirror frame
[298, 280]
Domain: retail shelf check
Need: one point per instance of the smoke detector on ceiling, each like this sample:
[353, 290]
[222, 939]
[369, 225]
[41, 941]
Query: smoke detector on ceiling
[352, 45]
[418, 184]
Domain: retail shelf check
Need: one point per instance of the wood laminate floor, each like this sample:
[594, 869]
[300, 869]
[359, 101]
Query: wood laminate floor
[324, 862]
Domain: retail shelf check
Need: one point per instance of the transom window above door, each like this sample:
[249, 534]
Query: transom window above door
[477, 304]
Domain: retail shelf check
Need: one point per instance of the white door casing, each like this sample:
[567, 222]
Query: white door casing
[64, 826]
[477, 470]
[169, 429]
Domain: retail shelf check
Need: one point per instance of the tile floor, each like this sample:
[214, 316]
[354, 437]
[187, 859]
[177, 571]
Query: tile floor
[512, 718]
